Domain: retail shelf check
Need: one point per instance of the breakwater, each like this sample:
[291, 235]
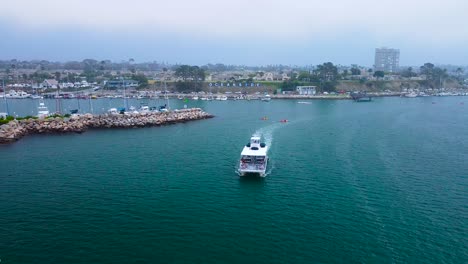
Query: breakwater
[17, 129]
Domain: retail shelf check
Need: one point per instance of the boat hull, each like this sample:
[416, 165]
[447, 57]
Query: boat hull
[253, 171]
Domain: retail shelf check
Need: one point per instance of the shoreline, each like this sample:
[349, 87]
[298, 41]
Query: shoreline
[17, 129]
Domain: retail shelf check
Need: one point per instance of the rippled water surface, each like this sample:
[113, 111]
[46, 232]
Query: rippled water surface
[378, 182]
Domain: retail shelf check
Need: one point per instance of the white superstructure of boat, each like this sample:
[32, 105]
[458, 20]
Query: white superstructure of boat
[42, 110]
[144, 109]
[266, 98]
[411, 95]
[254, 158]
[113, 111]
[17, 95]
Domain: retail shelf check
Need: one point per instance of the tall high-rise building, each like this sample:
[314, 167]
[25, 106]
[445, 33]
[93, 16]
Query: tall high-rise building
[387, 60]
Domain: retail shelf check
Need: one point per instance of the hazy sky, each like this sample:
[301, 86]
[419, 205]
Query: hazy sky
[251, 32]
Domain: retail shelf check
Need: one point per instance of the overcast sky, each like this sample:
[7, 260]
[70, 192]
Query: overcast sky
[251, 32]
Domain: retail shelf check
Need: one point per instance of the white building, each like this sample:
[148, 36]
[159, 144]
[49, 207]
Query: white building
[306, 90]
[50, 83]
[387, 60]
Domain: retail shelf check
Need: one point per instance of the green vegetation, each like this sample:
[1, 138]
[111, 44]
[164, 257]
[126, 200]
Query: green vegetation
[434, 75]
[379, 74]
[355, 71]
[328, 76]
[6, 120]
[11, 118]
[26, 117]
[141, 79]
[192, 78]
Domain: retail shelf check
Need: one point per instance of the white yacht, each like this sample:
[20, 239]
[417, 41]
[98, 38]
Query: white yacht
[113, 111]
[132, 110]
[411, 95]
[17, 95]
[42, 110]
[254, 158]
[266, 98]
[144, 109]
[195, 98]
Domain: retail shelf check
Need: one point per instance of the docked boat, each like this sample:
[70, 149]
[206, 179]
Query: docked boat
[411, 95]
[113, 111]
[42, 110]
[144, 109]
[254, 158]
[132, 110]
[17, 95]
[266, 98]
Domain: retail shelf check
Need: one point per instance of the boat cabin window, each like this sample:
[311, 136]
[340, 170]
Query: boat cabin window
[247, 159]
[255, 141]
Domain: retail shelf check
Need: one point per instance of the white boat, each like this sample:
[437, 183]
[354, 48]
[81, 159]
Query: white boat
[195, 98]
[36, 97]
[132, 110]
[254, 158]
[266, 98]
[144, 109]
[113, 111]
[42, 110]
[223, 98]
[17, 95]
[411, 95]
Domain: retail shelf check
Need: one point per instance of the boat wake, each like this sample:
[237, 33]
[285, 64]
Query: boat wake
[267, 133]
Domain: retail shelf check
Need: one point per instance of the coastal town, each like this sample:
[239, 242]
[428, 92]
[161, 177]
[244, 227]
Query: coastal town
[92, 79]
[106, 79]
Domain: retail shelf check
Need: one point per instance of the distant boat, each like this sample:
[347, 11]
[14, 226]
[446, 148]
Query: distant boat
[144, 109]
[17, 95]
[411, 95]
[266, 98]
[163, 108]
[113, 111]
[42, 110]
[304, 102]
[361, 97]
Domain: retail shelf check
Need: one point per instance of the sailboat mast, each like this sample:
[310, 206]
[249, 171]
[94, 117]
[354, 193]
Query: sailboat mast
[165, 92]
[124, 95]
[5, 97]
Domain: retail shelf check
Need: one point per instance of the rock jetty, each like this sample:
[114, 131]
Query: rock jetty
[16, 129]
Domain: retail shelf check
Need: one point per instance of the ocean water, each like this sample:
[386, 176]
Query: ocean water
[378, 182]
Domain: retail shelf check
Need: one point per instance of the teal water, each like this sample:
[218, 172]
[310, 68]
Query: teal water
[378, 182]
